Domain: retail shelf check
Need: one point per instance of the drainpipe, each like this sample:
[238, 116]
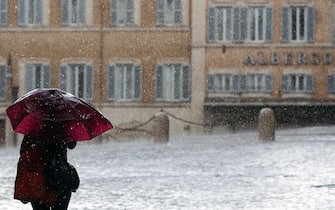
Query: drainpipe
[101, 52]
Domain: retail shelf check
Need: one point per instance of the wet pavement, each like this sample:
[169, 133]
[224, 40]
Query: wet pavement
[231, 171]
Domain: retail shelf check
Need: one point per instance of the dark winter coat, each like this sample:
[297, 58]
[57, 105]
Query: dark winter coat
[31, 182]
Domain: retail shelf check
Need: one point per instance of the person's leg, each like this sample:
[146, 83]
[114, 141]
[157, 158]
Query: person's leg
[63, 201]
[39, 206]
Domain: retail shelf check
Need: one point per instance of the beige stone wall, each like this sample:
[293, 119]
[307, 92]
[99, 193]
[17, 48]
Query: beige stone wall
[147, 44]
[99, 44]
[235, 55]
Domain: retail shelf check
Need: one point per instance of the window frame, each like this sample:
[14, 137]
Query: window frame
[79, 71]
[260, 23]
[178, 13]
[217, 83]
[309, 24]
[239, 83]
[256, 83]
[297, 83]
[130, 13]
[134, 73]
[227, 23]
[3, 12]
[331, 83]
[81, 10]
[179, 91]
[36, 17]
[37, 75]
[238, 21]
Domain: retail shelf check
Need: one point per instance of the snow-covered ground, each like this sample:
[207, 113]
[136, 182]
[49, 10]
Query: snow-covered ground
[232, 171]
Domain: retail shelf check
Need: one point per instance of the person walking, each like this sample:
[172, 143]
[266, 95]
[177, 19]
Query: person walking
[51, 121]
[36, 181]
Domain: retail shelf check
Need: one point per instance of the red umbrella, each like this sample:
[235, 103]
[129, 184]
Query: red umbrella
[56, 113]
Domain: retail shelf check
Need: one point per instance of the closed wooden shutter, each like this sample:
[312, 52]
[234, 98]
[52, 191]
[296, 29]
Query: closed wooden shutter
[285, 29]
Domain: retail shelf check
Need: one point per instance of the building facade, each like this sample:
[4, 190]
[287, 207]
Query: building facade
[215, 62]
[263, 53]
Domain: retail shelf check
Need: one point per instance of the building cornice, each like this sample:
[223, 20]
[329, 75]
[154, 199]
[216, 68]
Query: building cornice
[95, 29]
[264, 46]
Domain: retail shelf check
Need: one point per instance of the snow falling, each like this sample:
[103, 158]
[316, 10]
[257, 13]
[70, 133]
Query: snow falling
[231, 171]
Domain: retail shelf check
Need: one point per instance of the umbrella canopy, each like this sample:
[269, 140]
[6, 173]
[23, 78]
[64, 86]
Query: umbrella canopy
[55, 112]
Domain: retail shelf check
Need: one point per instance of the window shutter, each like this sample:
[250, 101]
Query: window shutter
[210, 83]
[111, 82]
[178, 5]
[220, 25]
[46, 76]
[227, 78]
[186, 82]
[243, 24]
[178, 81]
[236, 84]
[39, 12]
[178, 12]
[89, 82]
[65, 12]
[269, 29]
[211, 24]
[285, 24]
[63, 77]
[29, 77]
[310, 84]
[21, 12]
[3, 12]
[82, 11]
[113, 12]
[243, 83]
[331, 85]
[310, 24]
[160, 12]
[284, 84]
[130, 12]
[268, 83]
[236, 24]
[3, 82]
[229, 23]
[159, 82]
[138, 82]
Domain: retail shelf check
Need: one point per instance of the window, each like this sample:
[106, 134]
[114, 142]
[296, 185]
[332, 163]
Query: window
[240, 24]
[235, 83]
[122, 12]
[298, 24]
[3, 82]
[331, 84]
[3, 12]
[77, 79]
[30, 12]
[221, 20]
[37, 76]
[172, 82]
[222, 83]
[256, 83]
[124, 82]
[169, 12]
[332, 21]
[297, 83]
[257, 27]
[74, 12]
